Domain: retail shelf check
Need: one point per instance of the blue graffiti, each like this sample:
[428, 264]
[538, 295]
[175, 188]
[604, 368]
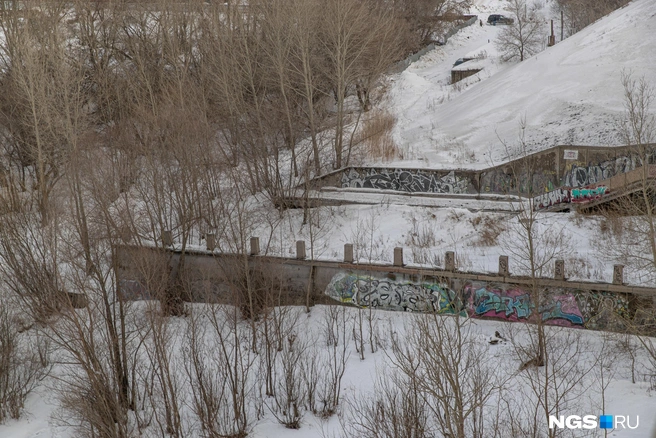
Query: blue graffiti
[491, 301]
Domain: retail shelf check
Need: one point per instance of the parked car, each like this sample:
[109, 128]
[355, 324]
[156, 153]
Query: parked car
[461, 61]
[495, 19]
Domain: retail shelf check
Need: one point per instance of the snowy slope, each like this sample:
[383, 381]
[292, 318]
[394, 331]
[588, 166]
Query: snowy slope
[569, 94]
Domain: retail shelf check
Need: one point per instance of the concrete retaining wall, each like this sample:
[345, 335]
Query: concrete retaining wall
[212, 277]
[541, 172]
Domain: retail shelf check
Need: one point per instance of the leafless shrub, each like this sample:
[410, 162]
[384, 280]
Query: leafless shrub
[442, 357]
[24, 362]
[220, 368]
[329, 389]
[556, 385]
[165, 389]
[489, 229]
[368, 244]
[288, 402]
[396, 409]
[421, 235]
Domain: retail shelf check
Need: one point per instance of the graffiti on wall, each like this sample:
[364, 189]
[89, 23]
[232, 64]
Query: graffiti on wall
[405, 180]
[384, 293]
[567, 308]
[601, 309]
[549, 199]
[578, 175]
[569, 195]
[514, 304]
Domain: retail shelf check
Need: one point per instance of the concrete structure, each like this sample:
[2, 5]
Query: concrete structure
[219, 277]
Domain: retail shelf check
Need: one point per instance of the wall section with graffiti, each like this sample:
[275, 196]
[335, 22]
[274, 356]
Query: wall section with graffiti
[407, 180]
[568, 195]
[568, 308]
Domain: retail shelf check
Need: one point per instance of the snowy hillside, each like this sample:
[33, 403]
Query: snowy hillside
[570, 93]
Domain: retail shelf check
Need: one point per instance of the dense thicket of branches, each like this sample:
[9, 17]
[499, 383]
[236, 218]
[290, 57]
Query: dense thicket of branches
[578, 14]
[257, 85]
[121, 120]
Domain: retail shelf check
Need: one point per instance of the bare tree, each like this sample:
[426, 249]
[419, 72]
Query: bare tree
[633, 242]
[525, 36]
[24, 361]
[440, 355]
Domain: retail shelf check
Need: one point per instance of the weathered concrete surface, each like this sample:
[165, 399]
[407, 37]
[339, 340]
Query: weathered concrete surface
[213, 277]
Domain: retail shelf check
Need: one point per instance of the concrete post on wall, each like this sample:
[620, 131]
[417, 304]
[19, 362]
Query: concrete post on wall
[210, 241]
[167, 238]
[559, 270]
[618, 274]
[348, 253]
[255, 246]
[503, 266]
[450, 261]
[300, 249]
[398, 256]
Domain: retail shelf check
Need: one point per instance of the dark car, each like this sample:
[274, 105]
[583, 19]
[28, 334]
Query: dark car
[461, 61]
[495, 19]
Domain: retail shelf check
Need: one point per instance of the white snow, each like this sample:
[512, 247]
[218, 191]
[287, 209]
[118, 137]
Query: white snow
[570, 93]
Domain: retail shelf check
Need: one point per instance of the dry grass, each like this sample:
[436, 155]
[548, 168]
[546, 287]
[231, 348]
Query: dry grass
[488, 228]
[376, 136]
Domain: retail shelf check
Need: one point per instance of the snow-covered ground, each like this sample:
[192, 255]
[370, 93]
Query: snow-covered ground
[621, 397]
[570, 93]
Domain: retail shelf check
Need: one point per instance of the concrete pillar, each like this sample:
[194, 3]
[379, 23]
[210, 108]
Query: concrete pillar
[255, 246]
[559, 270]
[450, 261]
[167, 238]
[348, 253]
[503, 266]
[210, 241]
[398, 256]
[300, 249]
[618, 274]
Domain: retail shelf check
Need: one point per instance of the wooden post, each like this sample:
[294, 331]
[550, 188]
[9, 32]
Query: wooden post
[255, 246]
[559, 270]
[348, 253]
[562, 25]
[618, 274]
[398, 256]
[210, 241]
[167, 238]
[503, 266]
[552, 37]
[450, 261]
[300, 249]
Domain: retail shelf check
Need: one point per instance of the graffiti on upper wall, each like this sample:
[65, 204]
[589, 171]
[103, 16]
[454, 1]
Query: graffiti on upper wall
[384, 293]
[578, 175]
[565, 195]
[405, 180]
[567, 308]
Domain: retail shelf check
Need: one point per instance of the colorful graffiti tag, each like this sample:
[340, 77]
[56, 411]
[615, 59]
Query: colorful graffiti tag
[515, 304]
[384, 293]
[566, 195]
[481, 300]
[405, 180]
